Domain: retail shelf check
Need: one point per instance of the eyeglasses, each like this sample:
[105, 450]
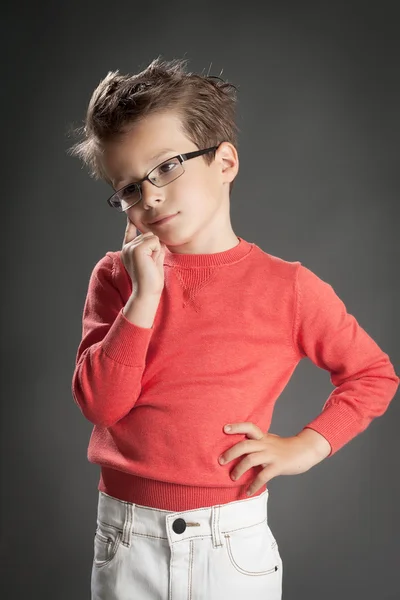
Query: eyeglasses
[162, 175]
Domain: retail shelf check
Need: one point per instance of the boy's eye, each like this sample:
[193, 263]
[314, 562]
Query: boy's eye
[129, 190]
[166, 167]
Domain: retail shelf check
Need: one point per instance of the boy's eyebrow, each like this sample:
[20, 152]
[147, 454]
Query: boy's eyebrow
[158, 155]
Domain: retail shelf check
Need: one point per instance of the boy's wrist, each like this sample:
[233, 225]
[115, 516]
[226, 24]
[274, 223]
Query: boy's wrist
[317, 443]
[141, 310]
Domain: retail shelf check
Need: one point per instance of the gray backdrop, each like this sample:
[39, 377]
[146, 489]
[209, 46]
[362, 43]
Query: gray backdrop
[319, 182]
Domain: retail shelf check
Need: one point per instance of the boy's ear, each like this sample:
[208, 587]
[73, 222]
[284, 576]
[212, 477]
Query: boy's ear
[228, 156]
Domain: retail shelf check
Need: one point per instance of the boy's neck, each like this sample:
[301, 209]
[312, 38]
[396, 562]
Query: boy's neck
[211, 246]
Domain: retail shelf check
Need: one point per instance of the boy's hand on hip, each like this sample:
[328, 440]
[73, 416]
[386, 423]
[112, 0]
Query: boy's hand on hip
[277, 455]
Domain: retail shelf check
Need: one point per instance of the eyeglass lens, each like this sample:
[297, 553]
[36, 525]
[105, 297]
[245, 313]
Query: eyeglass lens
[162, 175]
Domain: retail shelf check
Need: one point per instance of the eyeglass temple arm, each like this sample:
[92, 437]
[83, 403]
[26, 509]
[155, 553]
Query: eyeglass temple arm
[197, 153]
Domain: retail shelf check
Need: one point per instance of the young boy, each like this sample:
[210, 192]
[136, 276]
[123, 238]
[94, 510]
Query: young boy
[189, 328]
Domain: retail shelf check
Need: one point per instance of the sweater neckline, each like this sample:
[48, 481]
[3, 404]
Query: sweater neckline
[216, 259]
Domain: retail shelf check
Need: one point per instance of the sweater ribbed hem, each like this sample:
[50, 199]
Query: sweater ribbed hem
[167, 496]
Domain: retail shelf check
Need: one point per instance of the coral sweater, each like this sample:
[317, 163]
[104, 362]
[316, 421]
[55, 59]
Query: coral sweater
[230, 329]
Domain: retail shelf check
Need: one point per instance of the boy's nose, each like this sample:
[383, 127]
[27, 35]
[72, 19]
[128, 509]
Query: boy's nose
[150, 194]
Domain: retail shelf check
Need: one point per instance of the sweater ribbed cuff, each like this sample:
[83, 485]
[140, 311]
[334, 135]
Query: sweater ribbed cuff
[338, 426]
[127, 343]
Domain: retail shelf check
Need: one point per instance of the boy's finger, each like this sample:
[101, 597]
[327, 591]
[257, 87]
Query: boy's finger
[130, 232]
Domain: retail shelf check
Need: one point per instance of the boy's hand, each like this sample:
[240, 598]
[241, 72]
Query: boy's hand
[277, 455]
[143, 257]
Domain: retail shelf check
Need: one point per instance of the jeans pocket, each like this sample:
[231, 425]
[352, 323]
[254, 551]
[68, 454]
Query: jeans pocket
[253, 550]
[107, 540]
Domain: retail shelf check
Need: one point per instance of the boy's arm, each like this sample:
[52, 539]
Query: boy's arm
[111, 356]
[333, 340]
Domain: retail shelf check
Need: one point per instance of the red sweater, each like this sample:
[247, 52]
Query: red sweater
[230, 329]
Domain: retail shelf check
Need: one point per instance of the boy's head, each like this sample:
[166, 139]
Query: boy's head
[135, 122]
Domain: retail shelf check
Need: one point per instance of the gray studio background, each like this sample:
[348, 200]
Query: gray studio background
[319, 182]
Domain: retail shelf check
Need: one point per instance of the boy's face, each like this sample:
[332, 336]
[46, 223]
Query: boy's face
[200, 196]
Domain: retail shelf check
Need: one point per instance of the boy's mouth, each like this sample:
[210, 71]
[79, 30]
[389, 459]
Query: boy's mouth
[162, 220]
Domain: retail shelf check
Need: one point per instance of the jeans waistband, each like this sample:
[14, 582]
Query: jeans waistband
[212, 521]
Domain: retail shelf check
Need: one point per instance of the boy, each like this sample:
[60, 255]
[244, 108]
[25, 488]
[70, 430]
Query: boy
[187, 329]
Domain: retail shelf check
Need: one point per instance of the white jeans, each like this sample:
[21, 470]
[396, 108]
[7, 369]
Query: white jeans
[220, 552]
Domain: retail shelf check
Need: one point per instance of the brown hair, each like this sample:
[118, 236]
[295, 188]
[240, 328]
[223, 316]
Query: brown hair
[205, 104]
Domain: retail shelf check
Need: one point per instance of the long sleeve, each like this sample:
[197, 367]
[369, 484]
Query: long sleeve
[111, 356]
[364, 378]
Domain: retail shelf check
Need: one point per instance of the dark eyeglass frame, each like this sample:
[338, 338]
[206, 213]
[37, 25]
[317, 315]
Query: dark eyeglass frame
[181, 157]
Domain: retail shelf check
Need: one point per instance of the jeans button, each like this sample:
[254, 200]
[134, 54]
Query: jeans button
[179, 525]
